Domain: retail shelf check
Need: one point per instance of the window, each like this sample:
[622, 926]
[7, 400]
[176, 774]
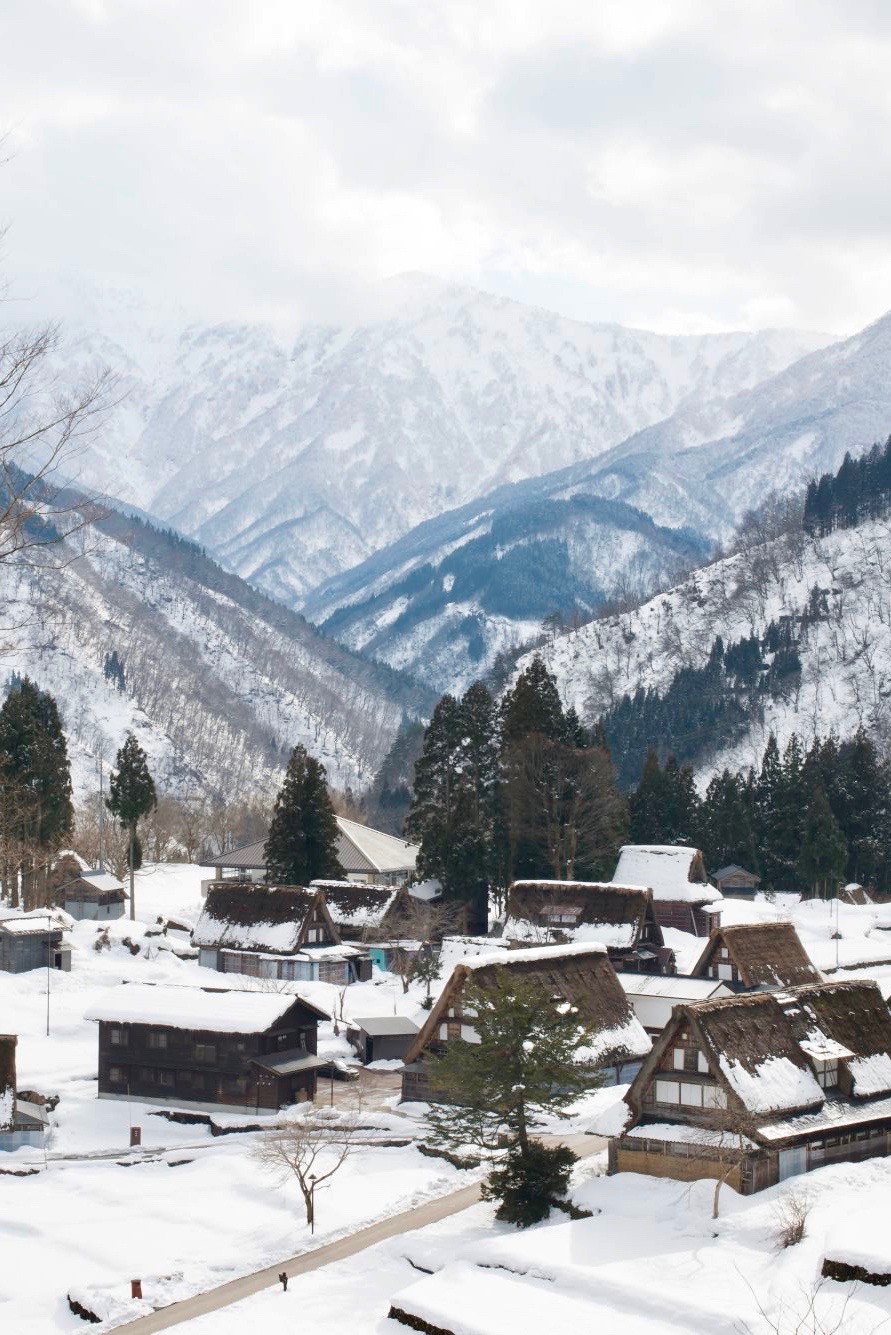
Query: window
[713, 1096]
[314, 936]
[156, 1040]
[691, 1095]
[240, 1084]
[148, 1075]
[117, 1036]
[668, 1091]
[166, 1079]
[827, 1073]
[725, 972]
[205, 1052]
[702, 1063]
[116, 1075]
[679, 1059]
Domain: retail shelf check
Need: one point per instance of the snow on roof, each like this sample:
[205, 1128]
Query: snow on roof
[674, 986]
[37, 922]
[672, 873]
[224, 1012]
[733, 867]
[101, 880]
[774, 1085]
[360, 848]
[578, 911]
[242, 916]
[871, 1075]
[833, 1113]
[534, 954]
[681, 1132]
[766, 954]
[379, 1026]
[357, 906]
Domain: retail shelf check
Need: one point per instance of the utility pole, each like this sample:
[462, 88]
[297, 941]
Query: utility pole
[101, 818]
[49, 951]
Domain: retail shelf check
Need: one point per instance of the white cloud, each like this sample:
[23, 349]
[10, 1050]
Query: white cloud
[679, 163]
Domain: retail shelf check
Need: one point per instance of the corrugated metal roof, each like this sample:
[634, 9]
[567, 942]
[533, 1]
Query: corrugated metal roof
[359, 849]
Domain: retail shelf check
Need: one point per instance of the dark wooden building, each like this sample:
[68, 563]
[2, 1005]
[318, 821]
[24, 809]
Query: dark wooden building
[736, 882]
[578, 974]
[271, 931]
[759, 1087]
[620, 917]
[382, 1037]
[206, 1048]
[94, 895]
[682, 895]
[756, 955]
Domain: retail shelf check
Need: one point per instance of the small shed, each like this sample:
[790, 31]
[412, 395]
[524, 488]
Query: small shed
[33, 941]
[382, 1037]
[736, 882]
[93, 895]
[20, 1123]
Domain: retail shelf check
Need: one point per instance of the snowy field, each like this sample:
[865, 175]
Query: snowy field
[188, 1210]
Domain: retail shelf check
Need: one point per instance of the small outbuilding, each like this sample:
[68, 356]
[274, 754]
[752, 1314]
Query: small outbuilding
[382, 1037]
[33, 941]
[21, 1122]
[653, 998]
[93, 895]
[757, 956]
[735, 882]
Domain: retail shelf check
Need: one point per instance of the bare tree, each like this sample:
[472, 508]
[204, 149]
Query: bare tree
[310, 1148]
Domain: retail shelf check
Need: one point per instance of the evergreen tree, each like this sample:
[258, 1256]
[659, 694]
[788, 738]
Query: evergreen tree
[859, 792]
[302, 841]
[727, 834]
[389, 800]
[822, 860]
[131, 796]
[682, 810]
[523, 1066]
[648, 804]
[113, 671]
[533, 706]
[36, 781]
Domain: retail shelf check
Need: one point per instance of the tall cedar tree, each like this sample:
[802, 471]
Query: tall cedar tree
[665, 807]
[35, 777]
[726, 832]
[822, 861]
[453, 813]
[522, 1067]
[131, 796]
[302, 842]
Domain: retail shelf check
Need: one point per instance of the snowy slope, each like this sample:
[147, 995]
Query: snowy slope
[846, 654]
[292, 463]
[444, 600]
[712, 460]
[220, 681]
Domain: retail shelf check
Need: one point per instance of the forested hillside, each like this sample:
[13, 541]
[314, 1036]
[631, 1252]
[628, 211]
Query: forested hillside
[130, 627]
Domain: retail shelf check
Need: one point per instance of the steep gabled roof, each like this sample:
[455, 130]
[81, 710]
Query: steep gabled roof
[850, 1016]
[754, 1047]
[217, 1010]
[766, 954]
[247, 915]
[356, 908]
[614, 915]
[579, 974]
[734, 867]
[675, 874]
[362, 849]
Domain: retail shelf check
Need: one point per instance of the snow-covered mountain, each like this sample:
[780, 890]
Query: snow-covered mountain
[220, 682]
[844, 645]
[710, 461]
[443, 601]
[293, 463]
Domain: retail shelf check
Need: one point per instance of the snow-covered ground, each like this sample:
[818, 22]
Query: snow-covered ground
[190, 1210]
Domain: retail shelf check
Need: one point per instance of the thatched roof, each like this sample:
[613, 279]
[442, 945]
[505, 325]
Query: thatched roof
[674, 874]
[7, 1081]
[581, 975]
[247, 915]
[357, 908]
[853, 1017]
[614, 915]
[766, 954]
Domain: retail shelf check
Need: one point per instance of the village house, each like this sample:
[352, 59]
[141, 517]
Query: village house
[653, 996]
[682, 895]
[21, 1122]
[95, 895]
[620, 917]
[755, 1088]
[736, 882]
[580, 975]
[382, 1037]
[269, 931]
[33, 941]
[383, 919]
[366, 857]
[206, 1048]
[756, 955]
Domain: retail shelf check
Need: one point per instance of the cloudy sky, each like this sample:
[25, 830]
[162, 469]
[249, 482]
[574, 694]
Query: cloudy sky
[679, 165]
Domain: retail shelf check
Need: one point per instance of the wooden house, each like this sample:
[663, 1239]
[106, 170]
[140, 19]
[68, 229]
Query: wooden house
[206, 1048]
[382, 1037]
[95, 895]
[682, 895]
[736, 882]
[366, 856]
[272, 931]
[756, 955]
[578, 974]
[758, 1087]
[21, 1122]
[653, 997]
[33, 941]
[620, 917]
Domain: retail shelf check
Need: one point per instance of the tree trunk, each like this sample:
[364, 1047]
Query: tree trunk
[132, 878]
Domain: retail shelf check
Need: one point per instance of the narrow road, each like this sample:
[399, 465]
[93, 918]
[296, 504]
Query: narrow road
[406, 1222]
